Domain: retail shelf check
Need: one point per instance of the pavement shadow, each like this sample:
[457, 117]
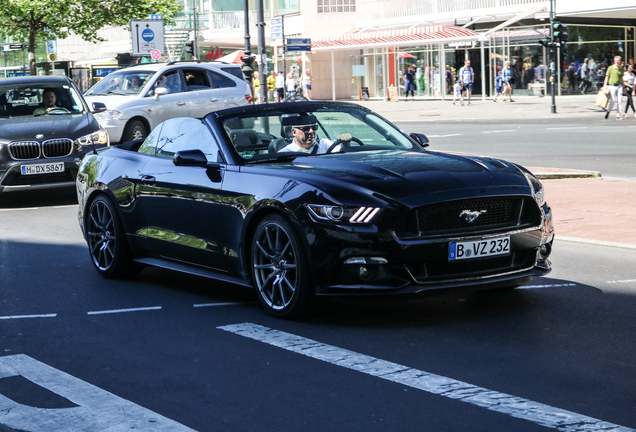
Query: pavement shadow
[38, 198]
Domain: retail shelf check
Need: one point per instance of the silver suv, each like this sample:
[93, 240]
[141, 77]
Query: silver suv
[140, 97]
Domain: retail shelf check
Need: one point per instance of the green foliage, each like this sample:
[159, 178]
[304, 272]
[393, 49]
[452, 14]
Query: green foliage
[23, 19]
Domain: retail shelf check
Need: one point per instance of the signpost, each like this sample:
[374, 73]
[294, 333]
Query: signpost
[146, 36]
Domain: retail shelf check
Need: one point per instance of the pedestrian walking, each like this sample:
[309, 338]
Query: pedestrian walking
[280, 87]
[508, 80]
[290, 83]
[305, 81]
[271, 86]
[499, 88]
[457, 94]
[467, 76]
[614, 79]
[539, 72]
[585, 76]
[449, 80]
[409, 83]
[630, 90]
[257, 88]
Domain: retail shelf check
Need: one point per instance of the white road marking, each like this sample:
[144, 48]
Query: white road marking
[622, 281]
[28, 316]
[123, 310]
[442, 136]
[220, 304]
[498, 131]
[97, 410]
[38, 208]
[546, 286]
[514, 406]
[564, 128]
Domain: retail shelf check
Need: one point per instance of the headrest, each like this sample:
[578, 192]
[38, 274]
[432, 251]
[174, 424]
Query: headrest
[299, 120]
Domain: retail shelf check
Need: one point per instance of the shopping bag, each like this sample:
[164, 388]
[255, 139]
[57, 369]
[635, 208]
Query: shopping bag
[602, 99]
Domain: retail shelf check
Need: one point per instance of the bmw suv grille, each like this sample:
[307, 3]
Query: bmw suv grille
[25, 150]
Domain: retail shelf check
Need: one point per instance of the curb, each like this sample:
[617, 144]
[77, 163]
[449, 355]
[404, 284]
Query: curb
[544, 175]
[595, 242]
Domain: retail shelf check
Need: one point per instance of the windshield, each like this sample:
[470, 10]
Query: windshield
[126, 82]
[20, 100]
[281, 134]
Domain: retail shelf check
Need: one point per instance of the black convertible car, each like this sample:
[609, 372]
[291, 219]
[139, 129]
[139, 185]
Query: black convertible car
[311, 199]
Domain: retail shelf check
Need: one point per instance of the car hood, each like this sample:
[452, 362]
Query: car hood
[111, 101]
[406, 177]
[51, 126]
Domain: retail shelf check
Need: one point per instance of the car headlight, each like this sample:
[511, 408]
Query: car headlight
[108, 115]
[538, 192]
[336, 213]
[99, 137]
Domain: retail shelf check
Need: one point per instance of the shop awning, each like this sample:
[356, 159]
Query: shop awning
[401, 37]
[533, 10]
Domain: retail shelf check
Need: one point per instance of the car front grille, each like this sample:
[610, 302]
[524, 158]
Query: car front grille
[25, 150]
[454, 217]
[442, 270]
[57, 147]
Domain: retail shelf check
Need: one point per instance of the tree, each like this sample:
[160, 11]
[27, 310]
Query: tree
[47, 19]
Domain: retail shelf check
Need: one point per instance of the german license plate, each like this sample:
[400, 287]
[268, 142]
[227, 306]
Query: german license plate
[479, 248]
[42, 168]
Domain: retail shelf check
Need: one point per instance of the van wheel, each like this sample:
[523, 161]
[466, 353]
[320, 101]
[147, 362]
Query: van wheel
[135, 130]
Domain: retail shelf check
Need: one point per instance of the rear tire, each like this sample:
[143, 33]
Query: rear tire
[280, 269]
[134, 130]
[107, 243]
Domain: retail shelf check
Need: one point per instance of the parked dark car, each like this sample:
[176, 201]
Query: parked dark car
[371, 212]
[45, 129]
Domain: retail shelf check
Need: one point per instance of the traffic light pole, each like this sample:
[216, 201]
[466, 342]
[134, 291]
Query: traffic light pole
[248, 58]
[552, 59]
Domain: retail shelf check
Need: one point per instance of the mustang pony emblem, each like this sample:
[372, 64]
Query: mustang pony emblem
[471, 215]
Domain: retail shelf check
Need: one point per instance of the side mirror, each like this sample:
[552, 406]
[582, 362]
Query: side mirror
[190, 158]
[160, 91]
[98, 107]
[421, 139]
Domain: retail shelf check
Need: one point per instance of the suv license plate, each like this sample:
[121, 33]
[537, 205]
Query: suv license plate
[42, 168]
[479, 248]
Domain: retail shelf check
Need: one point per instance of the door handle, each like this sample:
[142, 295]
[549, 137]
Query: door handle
[148, 179]
[214, 99]
[181, 103]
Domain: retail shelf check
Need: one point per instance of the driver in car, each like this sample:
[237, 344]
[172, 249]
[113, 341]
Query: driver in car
[49, 99]
[304, 129]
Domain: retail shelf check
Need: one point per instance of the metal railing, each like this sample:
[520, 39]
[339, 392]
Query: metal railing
[374, 10]
[227, 20]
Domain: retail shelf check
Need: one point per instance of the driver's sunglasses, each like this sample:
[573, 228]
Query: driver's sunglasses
[306, 129]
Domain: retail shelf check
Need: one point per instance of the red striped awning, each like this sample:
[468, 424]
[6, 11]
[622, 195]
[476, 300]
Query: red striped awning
[411, 36]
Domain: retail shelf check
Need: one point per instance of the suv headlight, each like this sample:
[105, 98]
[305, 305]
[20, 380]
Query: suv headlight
[108, 115]
[336, 213]
[99, 137]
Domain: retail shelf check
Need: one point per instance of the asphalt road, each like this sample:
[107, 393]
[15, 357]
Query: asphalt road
[171, 352]
[586, 143]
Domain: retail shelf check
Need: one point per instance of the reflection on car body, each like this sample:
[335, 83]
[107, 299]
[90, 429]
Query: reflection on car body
[377, 214]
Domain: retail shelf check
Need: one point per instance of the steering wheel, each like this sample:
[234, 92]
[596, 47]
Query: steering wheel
[58, 110]
[336, 143]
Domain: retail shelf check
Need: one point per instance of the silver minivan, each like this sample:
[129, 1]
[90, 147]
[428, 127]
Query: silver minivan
[140, 97]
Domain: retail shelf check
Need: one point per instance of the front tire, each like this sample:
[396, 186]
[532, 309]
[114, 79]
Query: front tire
[134, 130]
[280, 269]
[106, 240]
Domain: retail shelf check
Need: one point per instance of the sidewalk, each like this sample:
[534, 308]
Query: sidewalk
[426, 110]
[586, 208]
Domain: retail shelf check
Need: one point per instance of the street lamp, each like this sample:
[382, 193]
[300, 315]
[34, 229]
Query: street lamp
[248, 58]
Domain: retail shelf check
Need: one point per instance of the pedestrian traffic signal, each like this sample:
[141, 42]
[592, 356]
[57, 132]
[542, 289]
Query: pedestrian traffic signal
[545, 42]
[190, 47]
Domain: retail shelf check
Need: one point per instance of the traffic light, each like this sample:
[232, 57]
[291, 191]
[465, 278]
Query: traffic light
[190, 47]
[560, 32]
[545, 42]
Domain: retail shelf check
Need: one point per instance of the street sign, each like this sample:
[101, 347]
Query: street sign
[155, 17]
[277, 36]
[276, 21]
[52, 57]
[277, 28]
[301, 41]
[298, 47]
[146, 36]
[51, 46]
[11, 47]
[155, 54]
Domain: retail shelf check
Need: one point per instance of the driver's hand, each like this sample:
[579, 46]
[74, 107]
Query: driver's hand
[344, 137]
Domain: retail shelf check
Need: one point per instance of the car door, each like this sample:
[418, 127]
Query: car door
[203, 96]
[183, 205]
[171, 105]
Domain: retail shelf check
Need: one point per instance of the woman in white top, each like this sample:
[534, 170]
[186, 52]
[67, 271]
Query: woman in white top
[305, 81]
[630, 90]
[290, 84]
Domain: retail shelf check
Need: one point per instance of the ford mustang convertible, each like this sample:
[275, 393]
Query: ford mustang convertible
[301, 200]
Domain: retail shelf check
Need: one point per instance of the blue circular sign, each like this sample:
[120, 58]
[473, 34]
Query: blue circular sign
[148, 35]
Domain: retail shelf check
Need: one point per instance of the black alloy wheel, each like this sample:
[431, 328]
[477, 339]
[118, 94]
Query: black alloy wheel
[106, 240]
[280, 269]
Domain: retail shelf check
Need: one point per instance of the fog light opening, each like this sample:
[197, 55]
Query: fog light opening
[364, 273]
